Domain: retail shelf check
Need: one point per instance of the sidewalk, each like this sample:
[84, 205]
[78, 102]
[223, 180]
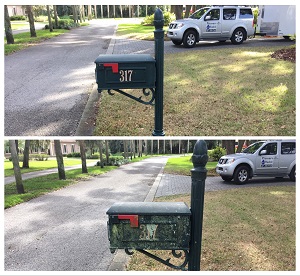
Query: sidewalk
[11, 179]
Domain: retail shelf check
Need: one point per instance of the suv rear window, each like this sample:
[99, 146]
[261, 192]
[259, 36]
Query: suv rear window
[229, 14]
[246, 13]
[288, 148]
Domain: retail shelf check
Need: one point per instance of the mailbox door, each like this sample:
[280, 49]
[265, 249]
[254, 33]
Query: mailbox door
[153, 225]
[125, 72]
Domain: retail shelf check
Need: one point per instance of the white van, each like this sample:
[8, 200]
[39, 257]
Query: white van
[221, 23]
[275, 158]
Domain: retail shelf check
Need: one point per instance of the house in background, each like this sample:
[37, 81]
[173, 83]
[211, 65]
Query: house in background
[16, 10]
[67, 146]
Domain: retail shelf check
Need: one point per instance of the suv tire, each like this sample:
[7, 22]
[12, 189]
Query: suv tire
[177, 42]
[292, 174]
[189, 39]
[241, 175]
[238, 36]
[226, 178]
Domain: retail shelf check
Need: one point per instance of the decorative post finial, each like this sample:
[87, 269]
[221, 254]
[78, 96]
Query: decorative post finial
[158, 19]
[200, 156]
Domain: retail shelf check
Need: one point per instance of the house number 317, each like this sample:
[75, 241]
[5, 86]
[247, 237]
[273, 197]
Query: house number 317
[125, 75]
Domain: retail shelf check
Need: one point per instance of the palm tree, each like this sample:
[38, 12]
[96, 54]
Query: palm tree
[60, 160]
[17, 170]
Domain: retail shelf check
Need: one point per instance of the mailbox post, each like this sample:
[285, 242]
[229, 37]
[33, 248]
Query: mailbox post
[198, 174]
[159, 57]
[164, 225]
[137, 71]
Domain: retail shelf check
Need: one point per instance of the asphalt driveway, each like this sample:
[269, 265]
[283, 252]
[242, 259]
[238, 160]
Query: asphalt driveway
[47, 85]
[66, 230]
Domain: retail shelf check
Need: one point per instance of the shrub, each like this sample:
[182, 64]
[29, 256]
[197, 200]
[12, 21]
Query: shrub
[41, 18]
[216, 153]
[113, 161]
[63, 24]
[168, 18]
[74, 154]
[34, 156]
[17, 17]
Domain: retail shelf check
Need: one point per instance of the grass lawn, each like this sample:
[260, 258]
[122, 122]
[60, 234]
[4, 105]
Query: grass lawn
[35, 187]
[214, 92]
[137, 31]
[247, 229]
[183, 165]
[23, 40]
[41, 165]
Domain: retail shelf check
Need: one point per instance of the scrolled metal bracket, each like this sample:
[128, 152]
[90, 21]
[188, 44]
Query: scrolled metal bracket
[167, 261]
[146, 91]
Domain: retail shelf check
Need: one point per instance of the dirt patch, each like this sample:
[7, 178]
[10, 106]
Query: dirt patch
[285, 54]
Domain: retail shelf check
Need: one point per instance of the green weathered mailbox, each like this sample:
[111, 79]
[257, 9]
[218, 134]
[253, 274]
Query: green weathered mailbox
[149, 225]
[125, 71]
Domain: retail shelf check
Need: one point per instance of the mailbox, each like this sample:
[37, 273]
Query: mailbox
[134, 71]
[149, 225]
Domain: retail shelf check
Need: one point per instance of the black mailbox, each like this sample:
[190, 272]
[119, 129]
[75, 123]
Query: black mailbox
[149, 225]
[134, 71]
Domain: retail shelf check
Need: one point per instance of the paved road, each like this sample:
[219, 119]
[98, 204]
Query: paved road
[46, 86]
[66, 230]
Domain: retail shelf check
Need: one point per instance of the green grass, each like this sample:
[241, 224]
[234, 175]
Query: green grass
[40, 165]
[214, 92]
[183, 164]
[247, 229]
[23, 40]
[136, 31]
[35, 187]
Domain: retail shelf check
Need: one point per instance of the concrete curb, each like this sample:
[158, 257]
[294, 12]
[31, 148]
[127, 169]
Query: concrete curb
[121, 259]
[86, 124]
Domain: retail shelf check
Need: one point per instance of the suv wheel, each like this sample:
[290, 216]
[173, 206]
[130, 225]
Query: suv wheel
[292, 174]
[176, 42]
[189, 39]
[241, 175]
[226, 178]
[238, 36]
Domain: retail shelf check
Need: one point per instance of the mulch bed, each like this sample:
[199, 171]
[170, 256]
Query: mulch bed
[285, 54]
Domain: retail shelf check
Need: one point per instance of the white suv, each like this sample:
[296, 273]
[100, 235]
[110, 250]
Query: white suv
[265, 158]
[221, 23]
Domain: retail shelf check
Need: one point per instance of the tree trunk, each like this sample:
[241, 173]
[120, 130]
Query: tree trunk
[95, 8]
[140, 148]
[49, 19]
[26, 155]
[31, 21]
[101, 157]
[89, 12]
[229, 145]
[240, 145]
[75, 17]
[55, 16]
[60, 160]
[106, 152]
[83, 156]
[187, 11]
[8, 31]
[81, 13]
[178, 11]
[121, 11]
[17, 170]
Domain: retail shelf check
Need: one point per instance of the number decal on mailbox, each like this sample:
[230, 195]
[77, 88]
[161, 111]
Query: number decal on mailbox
[125, 75]
[148, 232]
